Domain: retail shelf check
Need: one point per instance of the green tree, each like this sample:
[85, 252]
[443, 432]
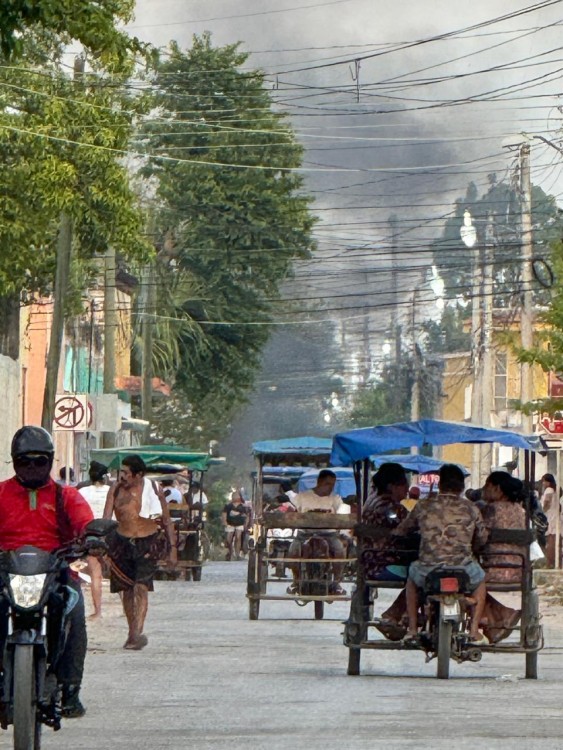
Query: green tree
[61, 144]
[94, 23]
[448, 334]
[389, 399]
[548, 349]
[232, 217]
[496, 217]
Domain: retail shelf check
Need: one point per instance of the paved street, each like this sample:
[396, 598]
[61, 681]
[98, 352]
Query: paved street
[210, 678]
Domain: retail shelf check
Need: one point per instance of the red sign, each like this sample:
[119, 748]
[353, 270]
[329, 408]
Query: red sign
[555, 385]
[428, 479]
[555, 426]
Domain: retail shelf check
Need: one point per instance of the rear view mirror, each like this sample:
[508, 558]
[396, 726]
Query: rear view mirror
[100, 527]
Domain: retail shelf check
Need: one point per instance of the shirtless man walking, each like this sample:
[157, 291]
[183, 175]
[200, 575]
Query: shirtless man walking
[134, 548]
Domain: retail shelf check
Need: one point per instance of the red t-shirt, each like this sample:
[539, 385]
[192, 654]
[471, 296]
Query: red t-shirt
[30, 517]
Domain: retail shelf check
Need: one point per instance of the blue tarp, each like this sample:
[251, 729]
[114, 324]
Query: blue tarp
[414, 463]
[303, 446]
[356, 445]
[345, 482]
[272, 473]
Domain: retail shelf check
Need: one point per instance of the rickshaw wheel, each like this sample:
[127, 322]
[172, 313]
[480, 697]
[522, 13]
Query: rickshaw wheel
[532, 666]
[444, 648]
[196, 573]
[253, 609]
[319, 610]
[188, 574]
[354, 655]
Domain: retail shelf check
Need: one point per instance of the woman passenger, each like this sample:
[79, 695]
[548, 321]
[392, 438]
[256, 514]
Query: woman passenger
[503, 562]
[383, 559]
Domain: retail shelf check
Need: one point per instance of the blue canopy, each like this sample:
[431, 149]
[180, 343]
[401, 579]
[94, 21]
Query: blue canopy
[300, 446]
[345, 482]
[356, 445]
[279, 473]
[415, 463]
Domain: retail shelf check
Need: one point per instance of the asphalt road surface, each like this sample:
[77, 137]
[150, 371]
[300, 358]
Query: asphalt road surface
[210, 678]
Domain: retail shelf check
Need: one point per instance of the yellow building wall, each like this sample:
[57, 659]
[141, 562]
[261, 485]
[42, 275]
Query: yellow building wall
[457, 378]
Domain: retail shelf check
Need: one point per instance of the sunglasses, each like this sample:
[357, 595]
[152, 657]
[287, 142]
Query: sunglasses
[40, 462]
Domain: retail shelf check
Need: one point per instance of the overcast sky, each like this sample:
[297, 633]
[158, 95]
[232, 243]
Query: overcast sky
[405, 147]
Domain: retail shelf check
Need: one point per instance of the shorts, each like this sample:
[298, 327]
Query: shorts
[134, 560]
[418, 573]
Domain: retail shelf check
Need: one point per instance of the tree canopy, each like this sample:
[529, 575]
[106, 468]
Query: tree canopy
[230, 218]
[497, 220]
[92, 22]
[61, 144]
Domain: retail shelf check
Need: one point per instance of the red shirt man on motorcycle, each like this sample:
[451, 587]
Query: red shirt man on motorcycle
[35, 511]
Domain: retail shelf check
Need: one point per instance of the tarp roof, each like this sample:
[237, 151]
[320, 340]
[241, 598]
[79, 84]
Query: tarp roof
[298, 446]
[155, 454]
[356, 445]
[415, 463]
[279, 473]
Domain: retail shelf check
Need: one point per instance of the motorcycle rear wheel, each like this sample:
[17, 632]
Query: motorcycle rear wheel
[27, 728]
[319, 610]
[444, 649]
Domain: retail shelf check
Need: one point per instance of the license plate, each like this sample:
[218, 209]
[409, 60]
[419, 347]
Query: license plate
[451, 610]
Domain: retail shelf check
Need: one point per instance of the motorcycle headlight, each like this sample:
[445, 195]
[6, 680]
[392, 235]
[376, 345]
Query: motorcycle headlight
[27, 590]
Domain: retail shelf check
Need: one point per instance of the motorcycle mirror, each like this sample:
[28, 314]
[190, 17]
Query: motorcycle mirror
[100, 527]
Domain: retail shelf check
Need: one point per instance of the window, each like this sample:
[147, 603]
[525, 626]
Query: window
[501, 382]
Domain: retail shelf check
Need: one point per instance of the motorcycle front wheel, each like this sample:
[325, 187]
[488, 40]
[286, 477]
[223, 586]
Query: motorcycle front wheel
[27, 728]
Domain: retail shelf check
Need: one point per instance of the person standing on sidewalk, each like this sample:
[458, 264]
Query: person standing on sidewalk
[96, 494]
[235, 522]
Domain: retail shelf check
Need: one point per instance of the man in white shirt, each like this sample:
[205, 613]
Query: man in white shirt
[319, 499]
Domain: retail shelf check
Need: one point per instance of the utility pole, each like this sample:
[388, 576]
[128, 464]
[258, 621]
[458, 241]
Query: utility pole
[64, 252]
[487, 384]
[147, 336]
[395, 326]
[526, 329]
[469, 237]
[415, 393]
[110, 330]
[62, 272]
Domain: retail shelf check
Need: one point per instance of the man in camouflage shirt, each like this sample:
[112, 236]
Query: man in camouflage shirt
[450, 527]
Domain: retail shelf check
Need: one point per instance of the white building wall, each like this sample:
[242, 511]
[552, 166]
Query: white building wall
[9, 411]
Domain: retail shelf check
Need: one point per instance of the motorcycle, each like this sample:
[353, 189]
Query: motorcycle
[279, 549]
[35, 600]
[447, 614]
[316, 573]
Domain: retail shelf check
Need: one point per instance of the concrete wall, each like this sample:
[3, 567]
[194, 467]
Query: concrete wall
[10, 416]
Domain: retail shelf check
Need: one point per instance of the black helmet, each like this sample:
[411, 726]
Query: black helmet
[30, 439]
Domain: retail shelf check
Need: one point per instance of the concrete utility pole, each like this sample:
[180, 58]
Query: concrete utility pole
[415, 393]
[469, 236]
[395, 326]
[147, 336]
[110, 331]
[62, 272]
[526, 322]
[487, 369]
[64, 252]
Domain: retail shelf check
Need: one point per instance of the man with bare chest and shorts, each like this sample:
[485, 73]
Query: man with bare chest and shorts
[134, 548]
